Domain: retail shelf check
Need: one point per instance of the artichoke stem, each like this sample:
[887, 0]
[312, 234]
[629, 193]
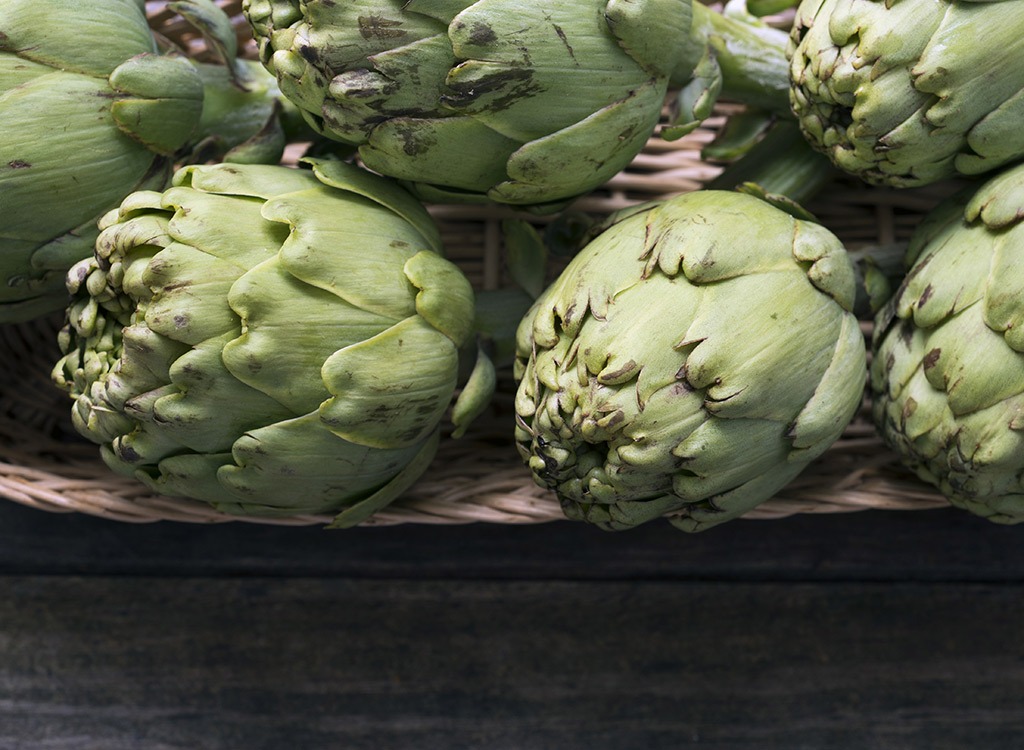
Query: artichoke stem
[781, 163]
[751, 55]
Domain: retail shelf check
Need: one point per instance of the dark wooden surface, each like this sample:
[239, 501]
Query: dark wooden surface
[871, 630]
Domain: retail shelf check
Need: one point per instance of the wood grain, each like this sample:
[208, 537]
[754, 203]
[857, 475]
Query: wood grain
[886, 630]
[273, 663]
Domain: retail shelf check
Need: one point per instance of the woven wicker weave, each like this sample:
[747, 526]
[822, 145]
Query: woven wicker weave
[478, 478]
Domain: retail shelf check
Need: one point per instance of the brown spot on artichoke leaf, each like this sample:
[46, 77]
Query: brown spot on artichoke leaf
[518, 81]
[481, 34]
[908, 409]
[626, 369]
[683, 346]
[18, 164]
[932, 358]
[550, 473]
[257, 447]
[309, 54]
[613, 420]
[366, 84]
[414, 140]
[127, 453]
[379, 27]
[906, 333]
[566, 319]
[565, 41]
[708, 260]
[927, 294]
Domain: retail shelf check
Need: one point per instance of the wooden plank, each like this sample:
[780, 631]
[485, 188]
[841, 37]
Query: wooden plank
[875, 545]
[164, 663]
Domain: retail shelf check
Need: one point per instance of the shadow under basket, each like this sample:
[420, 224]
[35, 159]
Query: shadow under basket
[479, 477]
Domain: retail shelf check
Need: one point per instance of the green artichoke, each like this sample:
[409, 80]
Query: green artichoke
[690, 361]
[948, 371]
[908, 92]
[527, 103]
[91, 113]
[269, 340]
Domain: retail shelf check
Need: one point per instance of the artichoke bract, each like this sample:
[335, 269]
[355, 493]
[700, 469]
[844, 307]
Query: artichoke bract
[908, 92]
[947, 376]
[91, 113]
[690, 361]
[270, 340]
[521, 103]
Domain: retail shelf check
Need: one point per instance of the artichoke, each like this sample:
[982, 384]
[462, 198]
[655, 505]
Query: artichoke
[92, 113]
[948, 371]
[908, 92]
[690, 361]
[273, 341]
[526, 103]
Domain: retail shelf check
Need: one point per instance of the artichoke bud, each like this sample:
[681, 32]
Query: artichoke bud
[903, 93]
[270, 340]
[689, 362]
[555, 99]
[124, 113]
[947, 376]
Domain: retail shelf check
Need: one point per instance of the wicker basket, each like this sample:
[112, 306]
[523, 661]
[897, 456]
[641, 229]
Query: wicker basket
[479, 478]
